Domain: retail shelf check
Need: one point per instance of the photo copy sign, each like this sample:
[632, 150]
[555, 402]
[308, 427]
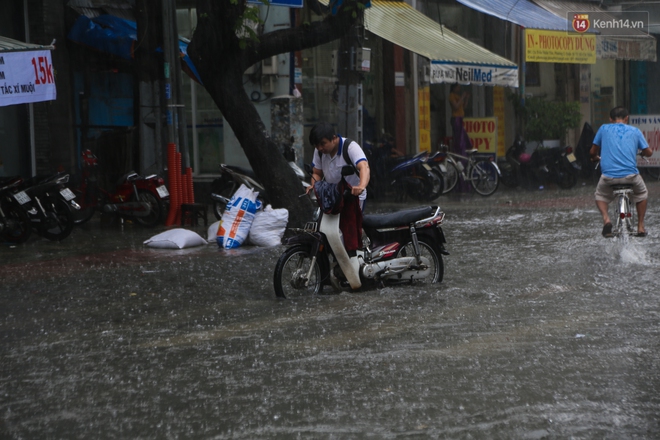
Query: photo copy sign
[483, 133]
[26, 77]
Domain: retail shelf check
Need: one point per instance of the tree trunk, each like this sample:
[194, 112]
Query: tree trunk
[221, 57]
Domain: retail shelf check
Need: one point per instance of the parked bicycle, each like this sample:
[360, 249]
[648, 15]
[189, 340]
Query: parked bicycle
[481, 171]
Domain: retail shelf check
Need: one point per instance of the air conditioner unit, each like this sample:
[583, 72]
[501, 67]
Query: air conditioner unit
[269, 66]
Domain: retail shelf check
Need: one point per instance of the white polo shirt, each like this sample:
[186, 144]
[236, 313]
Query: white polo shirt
[332, 165]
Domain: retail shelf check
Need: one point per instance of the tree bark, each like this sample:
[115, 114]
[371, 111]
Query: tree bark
[216, 51]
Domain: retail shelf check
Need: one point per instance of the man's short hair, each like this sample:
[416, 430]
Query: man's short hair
[322, 130]
[618, 113]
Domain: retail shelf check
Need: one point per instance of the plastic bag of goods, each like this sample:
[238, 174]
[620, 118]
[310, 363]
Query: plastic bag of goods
[268, 227]
[237, 219]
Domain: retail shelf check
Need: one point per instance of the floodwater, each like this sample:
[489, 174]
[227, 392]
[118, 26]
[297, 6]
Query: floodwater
[540, 329]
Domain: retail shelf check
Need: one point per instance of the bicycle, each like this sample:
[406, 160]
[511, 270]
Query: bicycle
[624, 212]
[482, 173]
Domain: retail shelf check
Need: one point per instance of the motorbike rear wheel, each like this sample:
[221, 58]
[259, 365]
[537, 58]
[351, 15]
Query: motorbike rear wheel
[17, 228]
[59, 222]
[227, 191]
[291, 273]
[484, 178]
[156, 212]
[428, 249]
[86, 211]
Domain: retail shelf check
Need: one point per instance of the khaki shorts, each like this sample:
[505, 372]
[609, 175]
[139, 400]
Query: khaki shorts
[604, 192]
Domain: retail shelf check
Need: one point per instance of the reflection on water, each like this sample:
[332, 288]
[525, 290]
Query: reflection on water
[541, 329]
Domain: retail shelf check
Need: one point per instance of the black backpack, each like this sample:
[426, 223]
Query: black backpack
[347, 159]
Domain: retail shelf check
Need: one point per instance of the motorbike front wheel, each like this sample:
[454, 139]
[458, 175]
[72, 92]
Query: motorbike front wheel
[156, 211]
[428, 249]
[227, 190]
[566, 177]
[292, 270]
[86, 211]
[59, 220]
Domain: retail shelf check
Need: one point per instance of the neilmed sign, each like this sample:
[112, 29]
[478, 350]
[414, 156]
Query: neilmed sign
[442, 72]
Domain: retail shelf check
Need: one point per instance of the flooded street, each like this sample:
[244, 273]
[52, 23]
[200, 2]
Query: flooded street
[540, 329]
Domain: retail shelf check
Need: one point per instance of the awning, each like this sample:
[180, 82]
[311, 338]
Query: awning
[26, 72]
[638, 45]
[521, 12]
[453, 58]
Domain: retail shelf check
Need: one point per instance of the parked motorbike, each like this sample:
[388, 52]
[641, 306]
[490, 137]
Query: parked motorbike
[232, 177]
[46, 201]
[399, 247]
[143, 199]
[15, 224]
[401, 177]
[545, 165]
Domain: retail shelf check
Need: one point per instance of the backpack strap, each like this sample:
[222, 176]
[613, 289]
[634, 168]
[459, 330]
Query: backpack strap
[347, 159]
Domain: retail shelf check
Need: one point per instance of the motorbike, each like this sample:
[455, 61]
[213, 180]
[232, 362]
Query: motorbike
[232, 177]
[143, 199]
[47, 203]
[406, 246]
[409, 176]
[556, 165]
[15, 224]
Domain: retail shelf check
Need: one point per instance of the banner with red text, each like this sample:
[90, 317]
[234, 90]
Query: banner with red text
[650, 127]
[482, 133]
[26, 77]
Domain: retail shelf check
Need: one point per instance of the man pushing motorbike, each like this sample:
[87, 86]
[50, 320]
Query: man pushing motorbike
[616, 146]
[329, 158]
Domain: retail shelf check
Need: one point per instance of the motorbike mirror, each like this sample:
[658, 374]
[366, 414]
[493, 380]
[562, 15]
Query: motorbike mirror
[347, 170]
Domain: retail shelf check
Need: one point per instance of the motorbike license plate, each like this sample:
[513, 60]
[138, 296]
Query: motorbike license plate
[22, 198]
[426, 166]
[67, 194]
[162, 191]
[571, 157]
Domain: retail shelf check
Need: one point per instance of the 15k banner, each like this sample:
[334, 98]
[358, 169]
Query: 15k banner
[26, 77]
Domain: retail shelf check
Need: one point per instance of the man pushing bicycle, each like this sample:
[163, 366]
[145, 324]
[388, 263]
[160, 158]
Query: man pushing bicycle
[616, 146]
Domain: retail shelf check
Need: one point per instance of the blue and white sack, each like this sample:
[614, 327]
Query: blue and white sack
[237, 218]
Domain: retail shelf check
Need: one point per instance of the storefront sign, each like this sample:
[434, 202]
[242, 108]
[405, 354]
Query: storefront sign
[26, 77]
[559, 47]
[424, 102]
[620, 49]
[482, 133]
[473, 74]
[498, 112]
[650, 127]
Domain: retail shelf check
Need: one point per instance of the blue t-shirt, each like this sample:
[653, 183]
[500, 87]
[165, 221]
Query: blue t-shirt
[618, 144]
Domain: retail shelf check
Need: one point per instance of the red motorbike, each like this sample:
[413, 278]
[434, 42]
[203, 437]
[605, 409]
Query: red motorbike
[143, 199]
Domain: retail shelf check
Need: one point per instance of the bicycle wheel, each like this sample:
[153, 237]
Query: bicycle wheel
[630, 216]
[450, 176]
[484, 177]
[291, 272]
[429, 250]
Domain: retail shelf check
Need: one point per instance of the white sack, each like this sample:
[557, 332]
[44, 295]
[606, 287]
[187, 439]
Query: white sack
[212, 232]
[268, 227]
[176, 239]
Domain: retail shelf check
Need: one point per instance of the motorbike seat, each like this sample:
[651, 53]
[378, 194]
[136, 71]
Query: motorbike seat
[398, 218]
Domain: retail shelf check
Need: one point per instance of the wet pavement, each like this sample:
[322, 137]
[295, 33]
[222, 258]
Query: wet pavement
[540, 329]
